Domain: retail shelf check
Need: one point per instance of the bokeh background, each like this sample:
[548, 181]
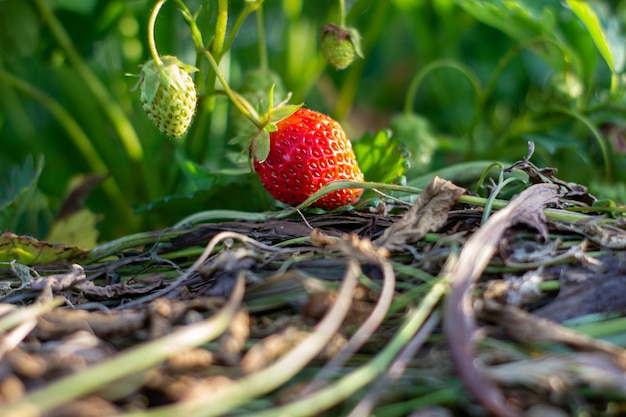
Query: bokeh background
[476, 80]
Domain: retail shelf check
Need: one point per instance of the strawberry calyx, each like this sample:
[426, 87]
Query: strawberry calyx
[165, 73]
[260, 141]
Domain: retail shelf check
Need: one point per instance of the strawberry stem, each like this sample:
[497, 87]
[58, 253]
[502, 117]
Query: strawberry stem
[260, 24]
[342, 14]
[151, 24]
[236, 99]
[217, 45]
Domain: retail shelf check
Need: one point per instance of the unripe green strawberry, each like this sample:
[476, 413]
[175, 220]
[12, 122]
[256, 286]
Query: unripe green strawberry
[340, 46]
[307, 151]
[168, 95]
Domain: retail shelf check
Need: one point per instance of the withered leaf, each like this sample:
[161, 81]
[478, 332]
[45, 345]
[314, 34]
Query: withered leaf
[428, 214]
[600, 230]
[527, 327]
[459, 321]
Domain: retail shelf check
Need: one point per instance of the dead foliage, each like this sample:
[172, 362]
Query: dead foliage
[340, 315]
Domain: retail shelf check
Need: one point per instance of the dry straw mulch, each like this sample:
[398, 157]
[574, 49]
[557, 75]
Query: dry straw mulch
[418, 309]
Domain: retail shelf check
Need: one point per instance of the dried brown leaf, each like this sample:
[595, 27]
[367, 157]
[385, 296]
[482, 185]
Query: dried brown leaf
[599, 230]
[352, 246]
[429, 213]
[526, 327]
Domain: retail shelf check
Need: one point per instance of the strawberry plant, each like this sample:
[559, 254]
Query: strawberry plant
[304, 207]
[551, 76]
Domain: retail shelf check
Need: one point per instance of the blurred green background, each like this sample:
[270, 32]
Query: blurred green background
[474, 80]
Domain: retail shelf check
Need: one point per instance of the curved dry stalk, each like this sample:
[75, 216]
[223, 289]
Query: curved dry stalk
[133, 361]
[365, 331]
[197, 264]
[397, 368]
[459, 321]
[239, 392]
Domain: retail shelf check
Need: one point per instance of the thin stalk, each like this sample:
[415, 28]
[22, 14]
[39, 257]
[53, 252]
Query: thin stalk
[236, 99]
[474, 82]
[260, 24]
[247, 10]
[217, 46]
[128, 363]
[596, 134]
[347, 94]
[342, 13]
[196, 142]
[431, 67]
[554, 214]
[151, 24]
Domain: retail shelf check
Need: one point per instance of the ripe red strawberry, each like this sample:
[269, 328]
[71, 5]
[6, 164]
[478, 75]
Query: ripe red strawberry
[307, 151]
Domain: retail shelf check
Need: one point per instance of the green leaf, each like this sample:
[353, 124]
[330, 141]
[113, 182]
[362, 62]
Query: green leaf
[606, 35]
[17, 193]
[380, 157]
[520, 19]
[27, 250]
[78, 229]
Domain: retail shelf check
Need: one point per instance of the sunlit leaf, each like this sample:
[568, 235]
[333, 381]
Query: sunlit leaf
[380, 157]
[78, 229]
[605, 34]
[519, 19]
[27, 250]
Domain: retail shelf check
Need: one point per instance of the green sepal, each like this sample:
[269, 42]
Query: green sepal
[150, 80]
[261, 145]
[171, 75]
[281, 112]
[168, 75]
[355, 37]
[270, 127]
